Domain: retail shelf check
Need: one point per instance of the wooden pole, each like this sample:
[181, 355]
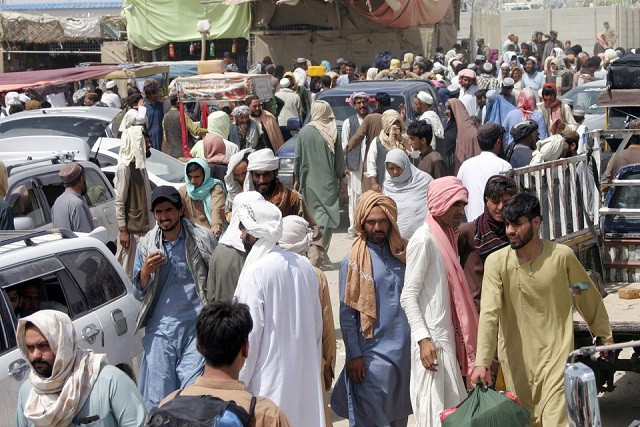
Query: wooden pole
[203, 46]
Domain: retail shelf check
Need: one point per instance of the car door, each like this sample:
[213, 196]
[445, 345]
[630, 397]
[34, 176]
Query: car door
[13, 368]
[102, 202]
[26, 200]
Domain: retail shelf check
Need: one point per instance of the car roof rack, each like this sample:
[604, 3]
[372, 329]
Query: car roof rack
[9, 237]
[55, 158]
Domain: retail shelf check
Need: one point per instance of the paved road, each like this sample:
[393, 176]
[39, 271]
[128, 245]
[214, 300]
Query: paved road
[618, 408]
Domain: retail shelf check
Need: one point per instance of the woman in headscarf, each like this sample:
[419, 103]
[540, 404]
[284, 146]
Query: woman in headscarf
[516, 75]
[555, 54]
[203, 197]
[497, 108]
[556, 114]
[214, 154]
[460, 140]
[561, 76]
[393, 135]
[526, 111]
[407, 186]
[218, 123]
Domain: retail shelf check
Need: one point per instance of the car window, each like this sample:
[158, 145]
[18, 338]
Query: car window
[585, 98]
[163, 165]
[627, 197]
[24, 202]
[44, 284]
[97, 189]
[342, 110]
[7, 334]
[55, 125]
[52, 187]
[99, 282]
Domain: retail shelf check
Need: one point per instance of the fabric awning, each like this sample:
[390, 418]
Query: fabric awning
[619, 98]
[404, 13]
[29, 79]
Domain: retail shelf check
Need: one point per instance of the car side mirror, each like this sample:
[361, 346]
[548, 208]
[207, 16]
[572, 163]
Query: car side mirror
[100, 233]
[581, 395]
[293, 124]
[23, 223]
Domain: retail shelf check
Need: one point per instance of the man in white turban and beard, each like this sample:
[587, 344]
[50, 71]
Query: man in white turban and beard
[297, 238]
[319, 167]
[133, 189]
[244, 132]
[69, 385]
[281, 290]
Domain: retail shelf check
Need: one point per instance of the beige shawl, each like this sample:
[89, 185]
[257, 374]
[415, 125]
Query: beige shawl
[324, 121]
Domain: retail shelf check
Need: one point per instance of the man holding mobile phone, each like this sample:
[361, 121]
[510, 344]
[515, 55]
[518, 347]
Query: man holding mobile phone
[169, 277]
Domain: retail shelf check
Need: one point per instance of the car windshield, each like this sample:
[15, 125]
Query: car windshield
[342, 110]
[87, 128]
[585, 98]
[628, 196]
[162, 165]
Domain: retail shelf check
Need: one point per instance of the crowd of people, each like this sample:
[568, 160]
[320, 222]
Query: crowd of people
[227, 268]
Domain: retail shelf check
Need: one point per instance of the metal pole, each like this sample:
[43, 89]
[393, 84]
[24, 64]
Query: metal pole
[53, 52]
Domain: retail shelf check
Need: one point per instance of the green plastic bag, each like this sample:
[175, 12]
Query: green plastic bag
[485, 407]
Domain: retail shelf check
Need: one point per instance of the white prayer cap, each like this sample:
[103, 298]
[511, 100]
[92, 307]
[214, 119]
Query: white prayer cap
[425, 97]
[453, 89]
[296, 234]
[301, 61]
[487, 67]
[24, 98]
[492, 94]
[263, 160]
[532, 58]
[438, 68]
[262, 220]
[285, 82]
[110, 84]
[12, 98]
[481, 58]
[508, 82]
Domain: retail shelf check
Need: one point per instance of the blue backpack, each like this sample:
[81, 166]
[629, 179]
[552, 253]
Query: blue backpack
[200, 411]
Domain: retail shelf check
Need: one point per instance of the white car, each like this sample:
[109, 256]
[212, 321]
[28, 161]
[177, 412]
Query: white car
[77, 274]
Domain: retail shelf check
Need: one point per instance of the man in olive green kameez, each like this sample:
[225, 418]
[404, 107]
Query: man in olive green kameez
[527, 295]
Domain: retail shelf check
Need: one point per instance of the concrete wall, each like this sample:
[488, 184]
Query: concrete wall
[578, 24]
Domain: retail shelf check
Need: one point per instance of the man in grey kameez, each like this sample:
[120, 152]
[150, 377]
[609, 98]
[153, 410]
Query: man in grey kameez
[373, 388]
[70, 210]
[319, 167]
[170, 275]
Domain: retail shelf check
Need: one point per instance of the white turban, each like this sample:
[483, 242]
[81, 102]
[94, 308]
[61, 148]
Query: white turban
[231, 237]
[263, 160]
[547, 150]
[425, 97]
[12, 98]
[300, 76]
[241, 110]
[296, 234]
[262, 220]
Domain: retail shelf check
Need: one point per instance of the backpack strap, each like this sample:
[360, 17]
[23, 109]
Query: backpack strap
[252, 407]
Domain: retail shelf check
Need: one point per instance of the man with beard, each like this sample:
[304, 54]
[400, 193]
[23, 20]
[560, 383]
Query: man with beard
[354, 159]
[423, 110]
[486, 234]
[281, 290]
[133, 189]
[528, 293]
[69, 385]
[244, 132]
[532, 79]
[373, 388]
[439, 307]
[468, 88]
[170, 279]
[270, 132]
[262, 176]
[70, 209]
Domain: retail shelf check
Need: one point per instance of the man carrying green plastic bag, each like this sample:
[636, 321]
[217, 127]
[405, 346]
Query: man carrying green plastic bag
[487, 407]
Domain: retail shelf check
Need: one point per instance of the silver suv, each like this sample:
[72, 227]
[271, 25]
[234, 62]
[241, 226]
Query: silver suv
[35, 186]
[73, 273]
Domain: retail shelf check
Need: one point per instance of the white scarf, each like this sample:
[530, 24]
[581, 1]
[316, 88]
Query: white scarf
[296, 235]
[262, 220]
[54, 401]
[231, 237]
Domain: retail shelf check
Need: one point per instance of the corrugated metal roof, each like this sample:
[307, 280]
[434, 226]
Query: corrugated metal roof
[69, 5]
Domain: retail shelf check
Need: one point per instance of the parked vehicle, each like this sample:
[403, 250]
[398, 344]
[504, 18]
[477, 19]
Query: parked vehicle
[585, 98]
[73, 272]
[34, 187]
[402, 92]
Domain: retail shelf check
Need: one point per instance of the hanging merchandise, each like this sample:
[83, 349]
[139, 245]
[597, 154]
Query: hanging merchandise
[192, 48]
[212, 50]
[172, 52]
[233, 47]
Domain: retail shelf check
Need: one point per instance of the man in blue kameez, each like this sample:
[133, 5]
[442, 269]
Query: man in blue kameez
[373, 388]
[170, 277]
[155, 112]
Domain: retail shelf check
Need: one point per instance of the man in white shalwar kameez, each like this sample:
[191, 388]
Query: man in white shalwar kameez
[281, 290]
[438, 306]
[355, 159]
[423, 108]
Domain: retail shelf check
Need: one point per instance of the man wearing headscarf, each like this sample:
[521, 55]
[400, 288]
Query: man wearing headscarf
[133, 189]
[170, 279]
[228, 258]
[270, 133]
[262, 176]
[354, 159]
[203, 197]
[485, 234]
[319, 168]
[373, 388]
[175, 126]
[556, 114]
[297, 237]
[439, 307]
[467, 84]
[243, 132]
[393, 135]
[281, 290]
[476, 171]
[423, 109]
[69, 385]
[235, 177]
